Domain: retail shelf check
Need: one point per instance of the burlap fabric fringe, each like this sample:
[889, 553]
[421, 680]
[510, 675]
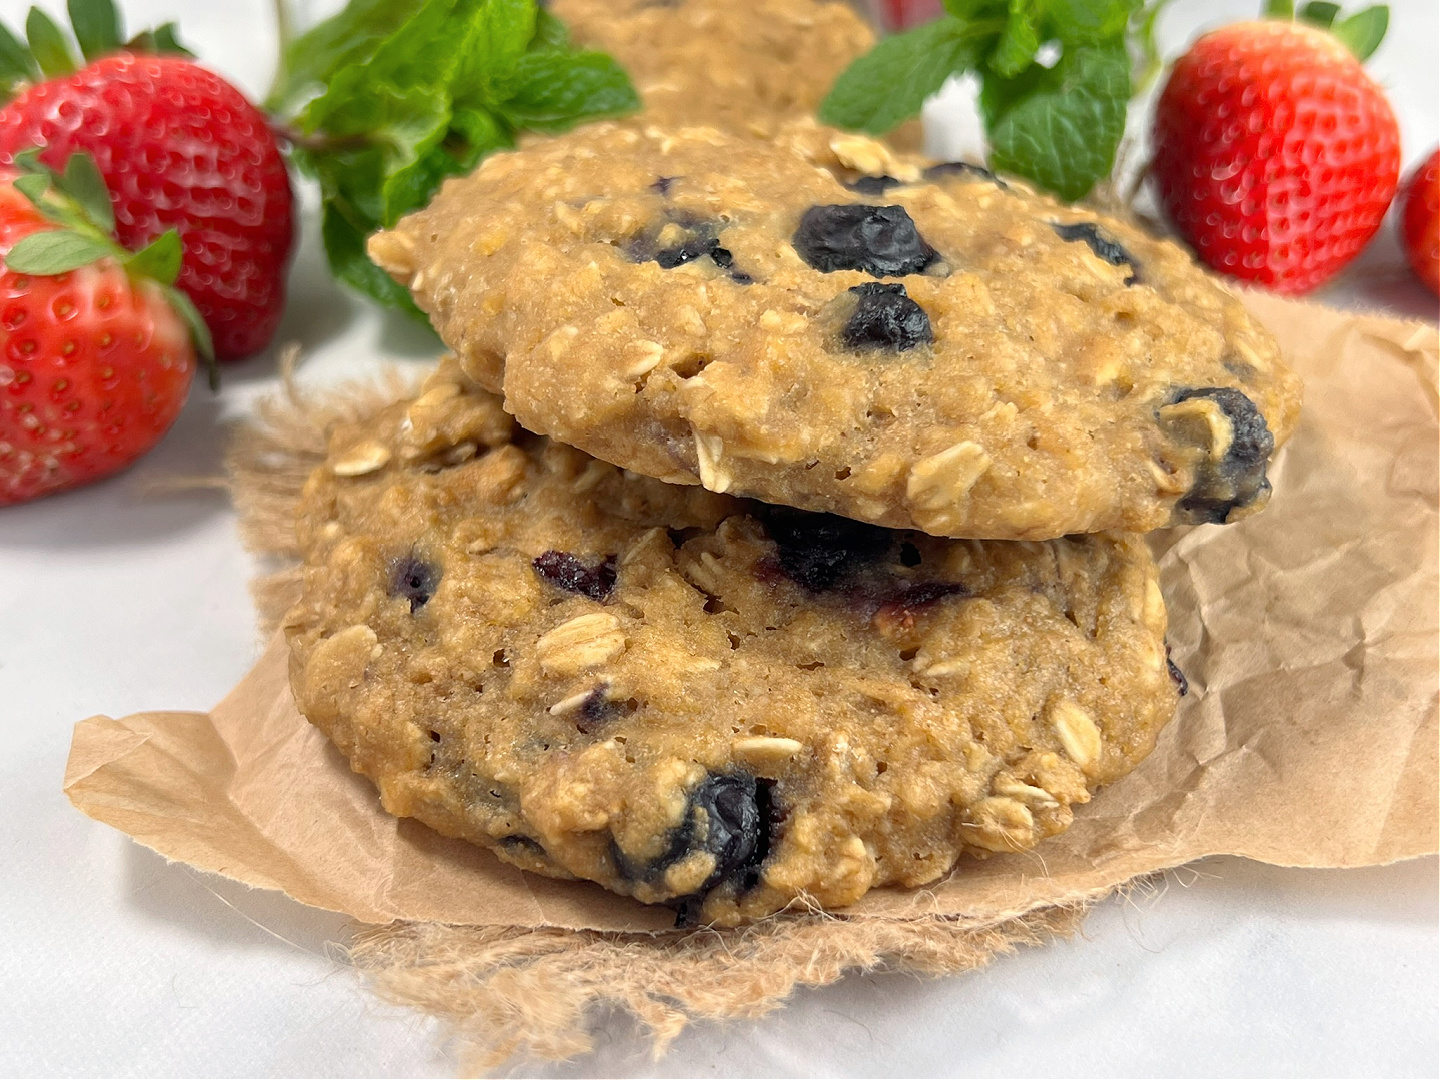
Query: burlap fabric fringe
[513, 993]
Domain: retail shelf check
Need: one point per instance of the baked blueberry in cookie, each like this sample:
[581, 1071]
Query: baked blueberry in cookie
[1231, 475]
[950, 354]
[885, 318]
[880, 240]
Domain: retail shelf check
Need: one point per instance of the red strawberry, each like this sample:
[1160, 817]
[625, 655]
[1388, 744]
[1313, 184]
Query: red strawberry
[1276, 155]
[1420, 225]
[181, 148]
[95, 363]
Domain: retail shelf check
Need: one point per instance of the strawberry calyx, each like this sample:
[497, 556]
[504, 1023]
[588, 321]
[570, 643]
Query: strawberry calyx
[1361, 32]
[47, 52]
[78, 202]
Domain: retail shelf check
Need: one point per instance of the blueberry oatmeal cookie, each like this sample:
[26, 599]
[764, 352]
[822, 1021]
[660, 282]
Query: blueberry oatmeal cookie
[693, 699]
[735, 64]
[824, 323]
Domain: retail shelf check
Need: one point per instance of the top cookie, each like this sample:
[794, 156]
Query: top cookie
[740, 65]
[821, 323]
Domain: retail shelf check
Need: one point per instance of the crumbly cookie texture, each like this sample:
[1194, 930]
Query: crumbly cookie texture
[824, 323]
[696, 700]
[740, 65]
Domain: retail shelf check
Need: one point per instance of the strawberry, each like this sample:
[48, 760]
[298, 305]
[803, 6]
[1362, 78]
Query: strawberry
[1420, 222]
[97, 349]
[1276, 155]
[179, 147]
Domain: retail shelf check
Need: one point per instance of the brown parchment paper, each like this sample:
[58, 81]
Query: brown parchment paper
[1309, 738]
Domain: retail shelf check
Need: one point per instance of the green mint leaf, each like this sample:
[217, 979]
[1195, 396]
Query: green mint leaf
[83, 183]
[1363, 32]
[1280, 9]
[97, 26]
[158, 260]
[508, 27]
[1085, 22]
[478, 131]
[1018, 42]
[55, 252]
[48, 44]
[345, 248]
[1061, 128]
[1319, 13]
[550, 33]
[199, 332]
[352, 36]
[887, 86]
[553, 91]
[17, 65]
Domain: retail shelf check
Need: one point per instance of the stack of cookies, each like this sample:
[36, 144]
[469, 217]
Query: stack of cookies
[772, 533]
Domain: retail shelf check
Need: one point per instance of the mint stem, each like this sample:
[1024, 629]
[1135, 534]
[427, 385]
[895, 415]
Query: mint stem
[284, 35]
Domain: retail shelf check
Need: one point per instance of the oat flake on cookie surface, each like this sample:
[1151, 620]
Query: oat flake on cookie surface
[741, 65]
[694, 699]
[823, 323]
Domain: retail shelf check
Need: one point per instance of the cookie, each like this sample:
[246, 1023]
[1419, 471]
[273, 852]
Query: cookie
[694, 699]
[741, 65]
[823, 323]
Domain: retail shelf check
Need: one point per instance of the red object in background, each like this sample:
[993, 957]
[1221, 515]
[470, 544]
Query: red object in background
[181, 148]
[904, 14]
[1276, 155]
[94, 367]
[1420, 223]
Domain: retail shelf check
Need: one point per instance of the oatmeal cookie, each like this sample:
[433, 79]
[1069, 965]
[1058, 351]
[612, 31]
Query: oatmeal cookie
[694, 699]
[740, 65]
[823, 323]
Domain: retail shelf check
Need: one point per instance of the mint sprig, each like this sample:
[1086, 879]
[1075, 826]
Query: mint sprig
[1056, 77]
[386, 99]
[78, 202]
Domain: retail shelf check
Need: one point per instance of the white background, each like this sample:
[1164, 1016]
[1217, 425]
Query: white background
[112, 962]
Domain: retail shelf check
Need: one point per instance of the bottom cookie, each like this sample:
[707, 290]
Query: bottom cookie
[698, 700]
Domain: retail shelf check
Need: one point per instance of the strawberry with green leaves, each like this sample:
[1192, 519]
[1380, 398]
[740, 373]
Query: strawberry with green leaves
[97, 345]
[1276, 155]
[179, 148]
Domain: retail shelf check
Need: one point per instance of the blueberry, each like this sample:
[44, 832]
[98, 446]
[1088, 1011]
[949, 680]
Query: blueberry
[414, 579]
[1237, 479]
[661, 186]
[880, 240]
[739, 818]
[700, 242]
[886, 318]
[1105, 248]
[688, 251]
[565, 571]
[595, 711]
[874, 185]
[1182, 684]
[518, 842]
[963, 168]
[817, 550]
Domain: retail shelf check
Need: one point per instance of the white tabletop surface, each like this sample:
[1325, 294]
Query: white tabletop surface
[114, 963]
